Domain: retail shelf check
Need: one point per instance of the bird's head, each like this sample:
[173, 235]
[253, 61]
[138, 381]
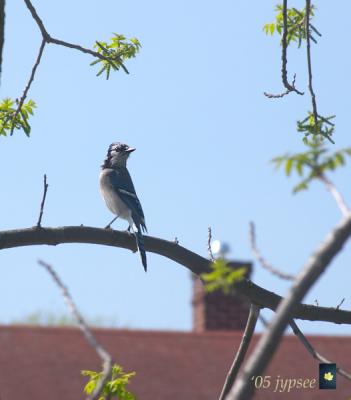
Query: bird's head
[117, 155]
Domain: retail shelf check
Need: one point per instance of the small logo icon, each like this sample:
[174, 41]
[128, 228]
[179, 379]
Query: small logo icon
[327, 376]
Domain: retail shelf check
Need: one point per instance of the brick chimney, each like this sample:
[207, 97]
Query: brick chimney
[219, 311]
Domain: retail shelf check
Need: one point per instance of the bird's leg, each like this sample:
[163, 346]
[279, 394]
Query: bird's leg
[109, 225]
[130, 230]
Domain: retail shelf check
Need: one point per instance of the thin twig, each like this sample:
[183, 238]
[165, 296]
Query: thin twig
[47, 38]
[88, 334]
[280, 95]
[46, 185]
[263, 320]
[289, 87]
[209, 243]
[2, 29]
[309, 62]
[340, 304]
[316, 116]
[345, 211]
[313, 352]
[240, 355]
[26, 89]
[264, 263]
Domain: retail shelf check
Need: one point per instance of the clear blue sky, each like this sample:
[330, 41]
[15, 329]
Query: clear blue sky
[194, 109]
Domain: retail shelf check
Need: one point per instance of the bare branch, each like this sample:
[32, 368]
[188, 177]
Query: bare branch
[309, 66]
[313, 352]
[37, 19]
[309, 62]
[240, 355]
[265, 264]
[46, 185]
[289, 87]
[269, 341]
[2, 29]
[194, 262]
[88, 334]
[47, 38]
[26, 89]
[340, 304]
[345, 211]
[209, 242]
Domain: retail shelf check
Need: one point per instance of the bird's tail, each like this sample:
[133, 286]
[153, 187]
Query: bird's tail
[141, 247]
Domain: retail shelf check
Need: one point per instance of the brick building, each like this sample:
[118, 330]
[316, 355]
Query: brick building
[38, 363]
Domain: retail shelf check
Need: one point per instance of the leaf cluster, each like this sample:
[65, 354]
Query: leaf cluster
[222, 277]
[323, 128]
[9, 120]
[115, 387]
[296, 24]
[312, 164]
[115, 53]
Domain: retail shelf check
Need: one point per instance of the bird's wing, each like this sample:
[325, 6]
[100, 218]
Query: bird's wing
[122, 183]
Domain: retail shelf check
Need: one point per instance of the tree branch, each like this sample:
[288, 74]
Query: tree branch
[345, 211]
[209, 244]
[289, 87]
[42, 202]
[265, 264]
[270, 340]
[309, 62]
[49, 39]
[26, 89]
[240, 355]
[194, 262]
[2, 30]
[313, 352]
[87, 333]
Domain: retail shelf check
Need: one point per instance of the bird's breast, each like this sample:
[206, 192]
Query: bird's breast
[111, 197]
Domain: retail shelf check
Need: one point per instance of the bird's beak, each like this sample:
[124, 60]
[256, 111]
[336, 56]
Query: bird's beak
[130, 150]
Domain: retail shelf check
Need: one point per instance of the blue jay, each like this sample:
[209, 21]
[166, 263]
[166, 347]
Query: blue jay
[118, 191]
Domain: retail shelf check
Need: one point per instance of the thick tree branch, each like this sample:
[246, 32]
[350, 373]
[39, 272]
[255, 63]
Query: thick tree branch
[313, 352]
[240, 355]
[87, 333]
[194, 262]
[265, 264]
[270, 340]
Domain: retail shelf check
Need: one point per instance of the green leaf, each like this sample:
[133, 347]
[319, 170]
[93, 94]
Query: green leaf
[115, 387]
[11, 119]
[288, 166]
[116, 52]
[271, 28]
[222, 276]
[299, 167]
